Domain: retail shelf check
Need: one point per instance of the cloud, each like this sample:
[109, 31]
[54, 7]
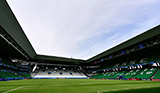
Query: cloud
[83, 28]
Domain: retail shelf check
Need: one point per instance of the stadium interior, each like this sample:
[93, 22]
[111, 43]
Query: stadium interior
[135, 59]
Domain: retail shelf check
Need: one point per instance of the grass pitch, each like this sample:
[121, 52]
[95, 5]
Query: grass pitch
[78, 86]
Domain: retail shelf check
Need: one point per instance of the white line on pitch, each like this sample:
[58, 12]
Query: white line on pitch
[13, 89]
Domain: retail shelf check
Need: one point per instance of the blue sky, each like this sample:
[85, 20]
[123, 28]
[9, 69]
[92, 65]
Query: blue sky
[82, 29]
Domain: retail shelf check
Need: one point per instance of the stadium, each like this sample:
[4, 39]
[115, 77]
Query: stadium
[131, 66]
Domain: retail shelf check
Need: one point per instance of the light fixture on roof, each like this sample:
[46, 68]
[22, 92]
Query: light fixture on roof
[9, 42]
[14, 60]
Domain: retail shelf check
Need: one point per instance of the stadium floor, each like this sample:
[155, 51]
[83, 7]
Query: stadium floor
[78, 86]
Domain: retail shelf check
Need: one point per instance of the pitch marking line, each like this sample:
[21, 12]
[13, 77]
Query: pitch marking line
[13, 89]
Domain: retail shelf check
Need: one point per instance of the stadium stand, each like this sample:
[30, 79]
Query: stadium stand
[110, 75]
[98, 76]
[9, 71]
[52, 73]
[157, 75]
[146, 73]
[131, 73]
[120, 74]
[27, 75]
[136, 74]
[136, 58]
[9, 75]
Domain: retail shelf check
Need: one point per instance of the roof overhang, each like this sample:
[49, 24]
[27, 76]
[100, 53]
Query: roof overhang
[146, 35]
[10, 24]
[57, 59]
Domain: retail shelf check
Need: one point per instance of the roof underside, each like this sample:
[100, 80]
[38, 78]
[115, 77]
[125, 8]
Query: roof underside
[146, 35]
[10, 24]
[57, 59]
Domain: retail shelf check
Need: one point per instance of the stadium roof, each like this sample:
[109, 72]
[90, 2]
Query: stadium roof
[144, 36]
[82, 29]
[12, 27]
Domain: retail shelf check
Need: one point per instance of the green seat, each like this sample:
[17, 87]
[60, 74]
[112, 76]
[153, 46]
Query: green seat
[157, 75]
[131, 73]
[146, 73]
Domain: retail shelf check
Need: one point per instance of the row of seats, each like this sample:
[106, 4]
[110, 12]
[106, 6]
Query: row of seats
[51, 73]
[152, 58]
[131, 73]
[146, 73]
[157, 75]
[9, 70]
[6, 61]
[136, 74]
[8, 75]
[27, 75]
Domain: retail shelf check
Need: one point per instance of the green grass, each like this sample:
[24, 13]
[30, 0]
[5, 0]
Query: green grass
[78, 86]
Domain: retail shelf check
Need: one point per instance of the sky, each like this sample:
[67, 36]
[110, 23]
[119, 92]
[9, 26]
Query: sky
[82, 29]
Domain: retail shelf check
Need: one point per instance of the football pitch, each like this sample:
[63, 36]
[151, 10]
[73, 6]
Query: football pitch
[78, 86]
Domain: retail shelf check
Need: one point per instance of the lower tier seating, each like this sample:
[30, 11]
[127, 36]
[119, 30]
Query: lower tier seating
[51, 73]
[27, 75]
[8, 75]
[157, 75]
[109, 75]
[136, 74]
[146, 73]
[131, 73]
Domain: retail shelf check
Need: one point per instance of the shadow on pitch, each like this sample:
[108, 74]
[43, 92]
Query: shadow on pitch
[144, 90]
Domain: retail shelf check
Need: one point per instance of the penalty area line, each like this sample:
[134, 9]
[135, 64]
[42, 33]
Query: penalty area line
[13, 89]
